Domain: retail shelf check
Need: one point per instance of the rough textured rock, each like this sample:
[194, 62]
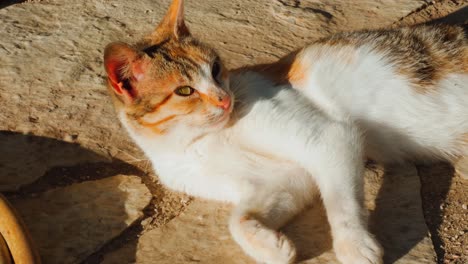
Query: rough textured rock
[23, 158]
[446, 11]
[51, 85]
[68, 224]
[200, 233]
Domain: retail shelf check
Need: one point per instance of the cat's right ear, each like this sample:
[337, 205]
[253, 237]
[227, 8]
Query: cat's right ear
[173, 23]
[125, 67]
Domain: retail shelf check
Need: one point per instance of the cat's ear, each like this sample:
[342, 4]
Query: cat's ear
[125, 67]
[173, 24]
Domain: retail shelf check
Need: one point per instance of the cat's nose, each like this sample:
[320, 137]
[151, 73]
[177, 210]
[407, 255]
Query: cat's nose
[224, 102]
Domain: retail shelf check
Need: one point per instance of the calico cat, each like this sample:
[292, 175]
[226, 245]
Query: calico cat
[263, 137]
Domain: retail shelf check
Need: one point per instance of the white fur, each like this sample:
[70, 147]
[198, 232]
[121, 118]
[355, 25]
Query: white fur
[400, 122]
[282, 145]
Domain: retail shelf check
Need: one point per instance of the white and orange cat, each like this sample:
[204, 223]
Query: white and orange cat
[264, 137]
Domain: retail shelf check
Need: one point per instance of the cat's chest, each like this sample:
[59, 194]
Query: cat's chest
[219, 170]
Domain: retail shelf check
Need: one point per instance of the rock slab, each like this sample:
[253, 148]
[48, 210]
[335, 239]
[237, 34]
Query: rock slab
[69, 224]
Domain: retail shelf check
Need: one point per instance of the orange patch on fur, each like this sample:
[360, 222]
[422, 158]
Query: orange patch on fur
[244, 219]
[197, 56]
[210, 99]
[296, 74]
[163, 102]
[154, 124]
[178, 51]
[186, 107]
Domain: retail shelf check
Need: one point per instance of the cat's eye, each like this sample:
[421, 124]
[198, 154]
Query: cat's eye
[184, 91]
[215, 70]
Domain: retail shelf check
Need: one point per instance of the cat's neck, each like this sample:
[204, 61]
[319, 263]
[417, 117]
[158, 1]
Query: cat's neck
[178, 140]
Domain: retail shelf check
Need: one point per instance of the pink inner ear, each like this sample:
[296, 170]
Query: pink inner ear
[113, 70]
[118, 56]
[138, 71]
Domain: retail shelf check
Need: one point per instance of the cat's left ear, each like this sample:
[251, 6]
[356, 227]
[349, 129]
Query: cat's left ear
[125, 68]
[173, 24]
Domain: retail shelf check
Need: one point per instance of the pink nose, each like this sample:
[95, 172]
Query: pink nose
[225, 102]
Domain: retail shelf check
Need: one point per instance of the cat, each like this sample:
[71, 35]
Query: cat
[264, 137]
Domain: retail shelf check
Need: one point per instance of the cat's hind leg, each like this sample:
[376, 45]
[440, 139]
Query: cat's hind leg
[335, 161]
[255, 222]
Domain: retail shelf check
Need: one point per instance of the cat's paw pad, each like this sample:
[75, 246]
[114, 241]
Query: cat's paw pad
[358, 248]
[263, 244]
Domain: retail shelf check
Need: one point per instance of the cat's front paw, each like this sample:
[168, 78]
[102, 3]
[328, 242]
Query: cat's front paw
[358, 248]
[261, 243]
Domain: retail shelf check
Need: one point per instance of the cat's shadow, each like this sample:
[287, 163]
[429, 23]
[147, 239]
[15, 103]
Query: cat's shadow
[459, 17]
[66, 226]
[6, 3]
[396, 218]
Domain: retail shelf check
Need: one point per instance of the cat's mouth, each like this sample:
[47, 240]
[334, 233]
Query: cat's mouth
[222, 111]
[225, 116]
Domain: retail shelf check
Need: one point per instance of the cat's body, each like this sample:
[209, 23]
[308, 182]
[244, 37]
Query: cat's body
[407, 88]
[222, 165]
[301, 123]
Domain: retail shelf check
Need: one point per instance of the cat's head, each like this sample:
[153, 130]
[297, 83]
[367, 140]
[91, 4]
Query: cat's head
[169, 82]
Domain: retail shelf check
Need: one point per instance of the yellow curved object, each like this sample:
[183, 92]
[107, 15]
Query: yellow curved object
[5, 257]
[16, 236]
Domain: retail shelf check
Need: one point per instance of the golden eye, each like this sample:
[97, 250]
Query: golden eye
[184, 91]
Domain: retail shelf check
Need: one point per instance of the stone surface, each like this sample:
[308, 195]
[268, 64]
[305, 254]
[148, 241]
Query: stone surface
[453, 11]
[51, 86]
[200, 233]
[23, 158]
[69, 224]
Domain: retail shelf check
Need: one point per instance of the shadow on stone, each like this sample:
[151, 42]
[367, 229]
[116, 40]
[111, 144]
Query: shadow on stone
[7, 3]
[24, 158]
[310, 233]
[75, 202]
[436, 181]
[398, 220]
[459, 17]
